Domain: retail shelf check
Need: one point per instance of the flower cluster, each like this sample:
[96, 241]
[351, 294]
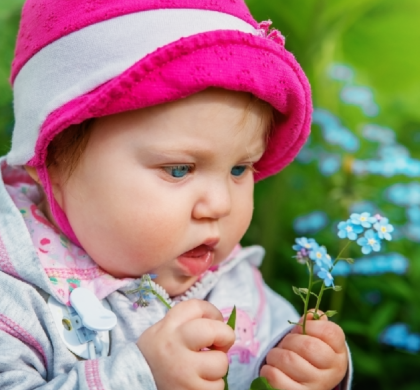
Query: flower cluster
[144, 292]
[308, 250]
[366, 230]
[378, 228]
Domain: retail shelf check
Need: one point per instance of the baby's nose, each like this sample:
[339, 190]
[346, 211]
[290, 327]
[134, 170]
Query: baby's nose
[214, 202]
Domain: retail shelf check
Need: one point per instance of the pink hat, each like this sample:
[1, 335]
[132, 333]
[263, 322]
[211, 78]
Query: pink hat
[80, 59]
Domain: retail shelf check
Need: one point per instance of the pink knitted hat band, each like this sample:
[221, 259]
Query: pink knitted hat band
[127, 55]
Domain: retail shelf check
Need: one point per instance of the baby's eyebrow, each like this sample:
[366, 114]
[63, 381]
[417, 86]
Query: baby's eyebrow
[204, 153]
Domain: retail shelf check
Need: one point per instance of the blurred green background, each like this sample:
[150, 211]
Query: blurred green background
[362, 62]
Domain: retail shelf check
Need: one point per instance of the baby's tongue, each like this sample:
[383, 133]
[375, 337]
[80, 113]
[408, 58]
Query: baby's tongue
[197, 260]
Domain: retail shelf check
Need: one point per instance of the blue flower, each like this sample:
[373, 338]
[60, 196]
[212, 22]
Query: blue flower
[377, 133]
[363, 206]
[326, 277]
[329, 164]
[413, 214]
[341, 72]
[310, 223]
[304, 243]
[320, 256]
[384, 228]
[363, 219]
[369, 242]
[349, 230]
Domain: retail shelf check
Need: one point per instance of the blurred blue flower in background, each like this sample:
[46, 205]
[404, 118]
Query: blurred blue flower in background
[329, 164]
[373, 265]
[360, 96]
[404, 195]
[310, 223]
[398, 336]
[364, 205]
[306, 155]
[393, 151]
[373, 297]
[412, 232]
[413, 214]
[376, 133]
[341, 72]
[334, 132]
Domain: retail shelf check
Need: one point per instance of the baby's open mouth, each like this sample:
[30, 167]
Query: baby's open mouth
[197, 260]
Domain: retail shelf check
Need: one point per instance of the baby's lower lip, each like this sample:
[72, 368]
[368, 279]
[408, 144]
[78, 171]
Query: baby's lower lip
[197, 260]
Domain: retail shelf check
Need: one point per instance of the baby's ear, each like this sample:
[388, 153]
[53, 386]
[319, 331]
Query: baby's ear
[32, 173]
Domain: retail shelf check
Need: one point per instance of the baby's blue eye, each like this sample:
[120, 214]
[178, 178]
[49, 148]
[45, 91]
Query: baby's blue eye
[238, 170]
[178, 170]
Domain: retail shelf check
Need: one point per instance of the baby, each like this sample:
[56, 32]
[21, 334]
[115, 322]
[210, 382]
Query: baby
[141, 127]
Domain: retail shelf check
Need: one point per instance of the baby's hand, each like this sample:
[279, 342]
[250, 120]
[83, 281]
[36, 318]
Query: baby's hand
[315, 361]
[173, 347]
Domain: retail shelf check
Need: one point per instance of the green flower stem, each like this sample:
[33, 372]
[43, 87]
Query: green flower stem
[154, 292]
[305, 310]
[158, 296]
[339, 255]
[318, 301]
[321, 291]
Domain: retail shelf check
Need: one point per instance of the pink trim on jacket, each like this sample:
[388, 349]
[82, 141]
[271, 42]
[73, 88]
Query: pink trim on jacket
[13, 329]
[93, 377]
[5, 263]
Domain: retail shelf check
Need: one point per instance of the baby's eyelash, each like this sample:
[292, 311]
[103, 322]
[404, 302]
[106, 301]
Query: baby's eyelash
[178, 171]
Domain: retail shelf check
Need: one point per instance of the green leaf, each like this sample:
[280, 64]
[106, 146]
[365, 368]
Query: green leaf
[331, 313]
[297, 292]
[231, 322]
[232, 318]
[225, 380]
[260, 384]
[337, 288]
[294, 323]
[304, 290]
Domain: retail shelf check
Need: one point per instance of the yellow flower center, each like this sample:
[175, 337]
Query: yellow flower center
[383, 229]
[371, 241]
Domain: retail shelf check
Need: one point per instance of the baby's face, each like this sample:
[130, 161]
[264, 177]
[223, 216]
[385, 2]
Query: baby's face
[166, 190]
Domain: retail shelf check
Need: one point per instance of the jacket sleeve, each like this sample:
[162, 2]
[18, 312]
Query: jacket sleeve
[32, 355]
[274, 322]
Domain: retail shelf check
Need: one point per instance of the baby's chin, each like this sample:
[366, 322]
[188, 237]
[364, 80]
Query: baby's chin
[176, 286]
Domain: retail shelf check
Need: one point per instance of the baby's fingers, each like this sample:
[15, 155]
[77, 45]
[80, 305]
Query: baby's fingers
[294, 366]
[212, 365]
[312, 349]
[278, 379]
[189, 310]
[327, 331]
[204, 333]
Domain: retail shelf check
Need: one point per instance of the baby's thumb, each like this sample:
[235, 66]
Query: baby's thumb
[310, 316]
